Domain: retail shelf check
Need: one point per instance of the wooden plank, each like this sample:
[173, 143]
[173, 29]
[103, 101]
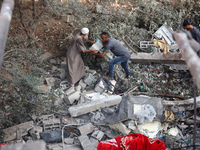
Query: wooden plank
[169, 58]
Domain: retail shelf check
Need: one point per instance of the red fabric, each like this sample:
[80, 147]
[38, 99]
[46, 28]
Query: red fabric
[133, 141]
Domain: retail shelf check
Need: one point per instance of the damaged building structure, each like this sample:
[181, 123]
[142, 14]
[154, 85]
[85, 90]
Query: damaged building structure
[95, 111]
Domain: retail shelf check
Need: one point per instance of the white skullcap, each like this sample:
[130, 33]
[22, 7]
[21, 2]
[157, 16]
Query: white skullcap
[84, 30]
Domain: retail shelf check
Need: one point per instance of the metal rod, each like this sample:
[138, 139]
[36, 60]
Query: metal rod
[5, 18]
[195, 114]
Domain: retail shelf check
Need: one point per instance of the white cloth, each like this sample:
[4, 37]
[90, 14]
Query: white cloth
[84, 30]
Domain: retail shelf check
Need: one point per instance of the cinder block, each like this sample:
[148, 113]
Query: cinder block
[69, 91]
[46, 117]
[86, 129]
[146, 44]
[72, 97]
[82, 84]
[89, 79]
[97, 104]
[86, 143]
[69, 141]
[51, 124]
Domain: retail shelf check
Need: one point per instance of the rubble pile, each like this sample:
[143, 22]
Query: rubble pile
[157, 100]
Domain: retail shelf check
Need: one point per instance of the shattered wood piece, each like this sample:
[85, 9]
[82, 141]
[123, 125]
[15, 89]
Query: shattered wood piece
[11, 133]
[35, 145]
[87, 107]
[169, 58]
[182, 105]
[45, 56]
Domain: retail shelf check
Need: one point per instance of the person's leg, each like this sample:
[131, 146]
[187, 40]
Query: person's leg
[112, 63]
[125, 67]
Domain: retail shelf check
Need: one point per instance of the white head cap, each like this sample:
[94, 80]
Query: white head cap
[84, 30]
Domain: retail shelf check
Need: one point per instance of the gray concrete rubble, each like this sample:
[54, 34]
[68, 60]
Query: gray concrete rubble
[89, 79]
[86, 143]
[46, 56]
[87, 107]
[72, 97]
[11, 133]
[86, 129]
[35, 145]
[140, 108]
[51, 124]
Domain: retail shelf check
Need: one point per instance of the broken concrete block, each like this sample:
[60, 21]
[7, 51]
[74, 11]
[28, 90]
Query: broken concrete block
[130, 124]
[11, 133]
[68, 18]
[34, 145]
[99, 87]
[59, 146]
[146, 44]
[74, 121]
[78, 88]
[150, 129]
[44, 88]
[64, 64]
[120, 127]
[98, 135]
[53, 61]
[64, 84]
[87, 107]
[86, 129]
[86, 143]
[46, 56]
[72, 97]
[69, 141]
[89, 79]
[173, 131]
[94, 142]
[46, 117]
[59, 101]
[70, 91]
[35, 132]
[51, 124]
[82, 84]
[50, 81]
[63, 74]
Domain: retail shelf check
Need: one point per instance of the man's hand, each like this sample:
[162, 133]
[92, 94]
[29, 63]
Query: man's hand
[94, 51]
[90, 41]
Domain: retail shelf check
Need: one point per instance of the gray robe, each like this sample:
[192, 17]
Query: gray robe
[75, 66]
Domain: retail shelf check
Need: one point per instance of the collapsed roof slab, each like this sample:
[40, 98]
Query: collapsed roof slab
[168, 58]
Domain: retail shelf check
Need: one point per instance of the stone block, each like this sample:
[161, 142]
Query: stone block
[98, 135]
[89, 79]
[72, 97]
[50, 81]
[46, 56]
[63, 74]
[51, 124]
[120, 127]
[64, 65]
[86, 143]
[11, 133]
[44, 88]
[46, 117]
[69, 91]
[97, 104]
[86, 129]
[82, 84]
[69, 141]
[74, 121]
[99, 87]
[59, 101]
[78, 88]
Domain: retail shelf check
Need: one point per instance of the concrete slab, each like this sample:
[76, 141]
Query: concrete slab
[97, 104]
